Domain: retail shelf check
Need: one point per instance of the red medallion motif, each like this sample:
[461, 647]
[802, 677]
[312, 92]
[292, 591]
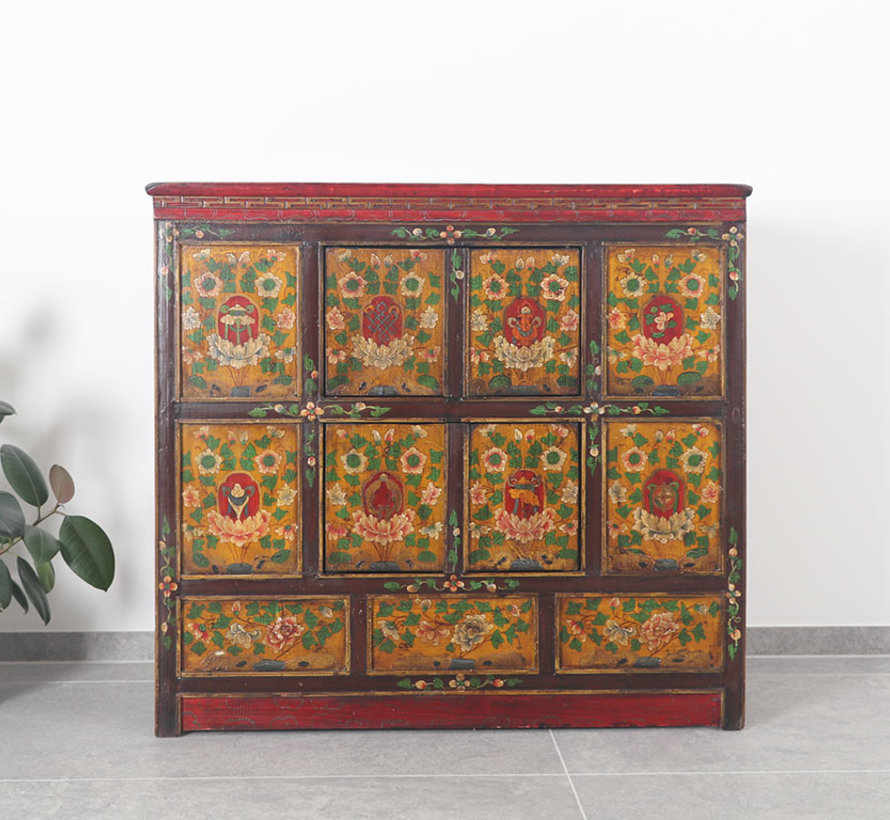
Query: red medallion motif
[238, 320]
[382, 320]
[525, 494]
[662, 319]
[382, 495]
[238, 497]
[664, 494]
[524, 322]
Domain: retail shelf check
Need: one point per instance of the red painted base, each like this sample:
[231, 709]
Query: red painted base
[464, 711]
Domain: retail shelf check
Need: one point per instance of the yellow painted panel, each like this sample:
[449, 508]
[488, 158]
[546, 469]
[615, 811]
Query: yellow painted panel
[245, 635]
[664, 317]
[240, 496]
[524, 323]
[647, 632]
[384, 321]
[523, 486]
[384, 497]
[238, 321]
[453, 633]
[664, 495]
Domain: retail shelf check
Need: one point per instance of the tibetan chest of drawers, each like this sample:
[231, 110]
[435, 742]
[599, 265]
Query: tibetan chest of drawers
[449, 456]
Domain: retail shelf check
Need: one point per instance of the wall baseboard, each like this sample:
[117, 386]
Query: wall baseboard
[138, 646]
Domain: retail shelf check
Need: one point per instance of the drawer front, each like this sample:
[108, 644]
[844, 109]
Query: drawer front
[640, 633]
[454, 634]
[250, 636]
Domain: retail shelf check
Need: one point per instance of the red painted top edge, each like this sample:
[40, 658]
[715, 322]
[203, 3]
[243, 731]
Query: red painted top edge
[286, 189]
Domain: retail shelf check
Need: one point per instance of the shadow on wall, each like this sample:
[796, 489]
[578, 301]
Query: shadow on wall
[55, 424]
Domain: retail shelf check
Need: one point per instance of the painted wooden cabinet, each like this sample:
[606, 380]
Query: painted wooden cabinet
[466, 456]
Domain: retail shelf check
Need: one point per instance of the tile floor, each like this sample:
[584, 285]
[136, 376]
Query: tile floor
[76, 741]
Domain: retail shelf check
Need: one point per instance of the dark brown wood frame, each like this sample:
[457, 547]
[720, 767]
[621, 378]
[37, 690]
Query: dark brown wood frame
[316, 215]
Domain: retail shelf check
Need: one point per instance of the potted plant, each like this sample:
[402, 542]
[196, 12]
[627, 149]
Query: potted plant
[82, 543]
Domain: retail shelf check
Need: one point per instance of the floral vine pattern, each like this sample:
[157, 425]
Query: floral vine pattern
[202, 231]
[384, 503]
[168, 584]
[311, 411]
[524, 325]
[168, 236]
[733, 239]
[524, 497]
[460, 683]
[384, 321]
[456, 539]
[733, 594]
[453, 633]
[456, 276]
[593, 369]
[239, 499]
[663, 506]
[238, 321]
[664, 308]
[250, 636]
[450, 234]
[654, 632]
[454, 584]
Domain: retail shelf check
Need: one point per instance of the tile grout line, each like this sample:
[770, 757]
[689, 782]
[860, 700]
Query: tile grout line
[566, 770]
[478, 775]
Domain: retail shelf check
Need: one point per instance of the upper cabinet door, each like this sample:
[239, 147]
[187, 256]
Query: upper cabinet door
[523, 324]
[237, 331]
[664, 321]
[384, 322]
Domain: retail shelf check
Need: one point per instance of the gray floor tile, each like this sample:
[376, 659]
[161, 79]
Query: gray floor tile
[794, 723]
[822, 796]
[393, 798]
[113, 734]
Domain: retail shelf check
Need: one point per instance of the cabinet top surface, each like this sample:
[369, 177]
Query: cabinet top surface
[372, 202]
[611, 191]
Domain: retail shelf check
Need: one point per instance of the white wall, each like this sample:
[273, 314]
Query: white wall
[100, 99]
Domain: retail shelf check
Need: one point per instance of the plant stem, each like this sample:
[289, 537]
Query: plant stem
[39, 520]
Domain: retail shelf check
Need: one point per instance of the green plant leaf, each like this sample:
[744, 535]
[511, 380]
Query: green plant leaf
[87, 550]
[47, 576]
[24, 475]
[5, 586]
[33, 588]
[6, 409]
[20, 596]
[42, 546]
[62, 484]
[12, 519]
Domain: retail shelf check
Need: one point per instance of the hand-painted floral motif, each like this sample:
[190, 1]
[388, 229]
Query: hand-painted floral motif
[436, 633]
[663, 320]
[237, 322]
[384, 497]
[524, 497]
[663, 496]
[240, 494]
[656, 632]
[249, 636]
[524, 322]
[384, 322]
